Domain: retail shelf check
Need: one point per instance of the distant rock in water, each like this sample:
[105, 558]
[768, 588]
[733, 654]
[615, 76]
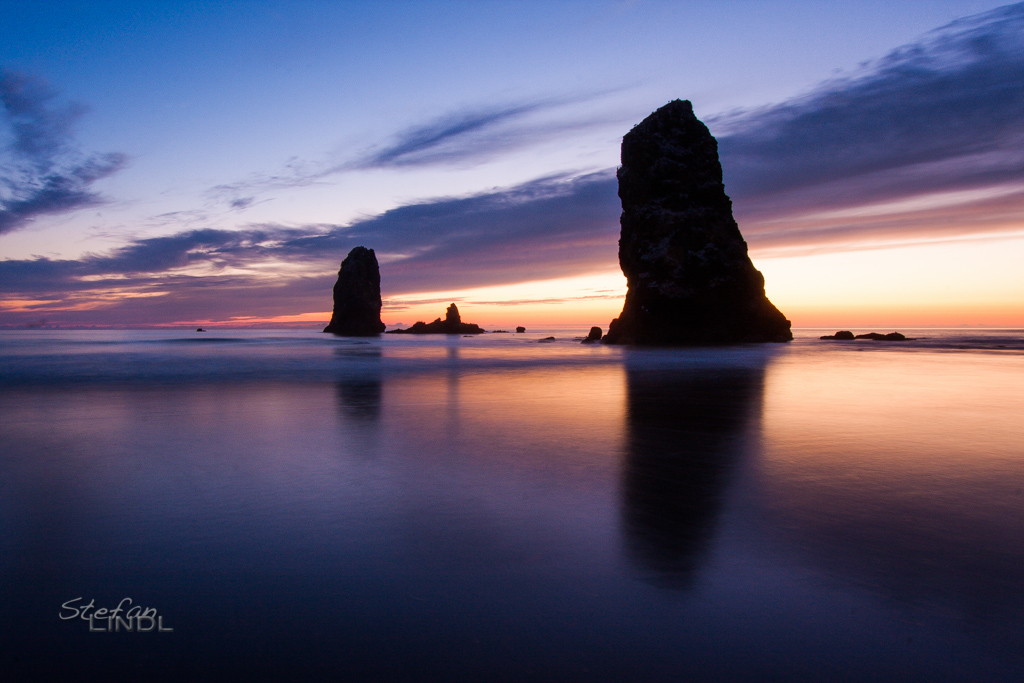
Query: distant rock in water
[689, 278]
[845, 335]
[357, 299]
[594, 336]
[520, 329]
[199, 329]
[452, 324]
[892, 336]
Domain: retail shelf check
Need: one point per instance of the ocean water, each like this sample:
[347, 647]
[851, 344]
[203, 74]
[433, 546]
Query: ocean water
[296, 506]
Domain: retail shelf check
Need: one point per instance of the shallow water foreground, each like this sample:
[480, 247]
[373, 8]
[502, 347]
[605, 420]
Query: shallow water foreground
[302, 507]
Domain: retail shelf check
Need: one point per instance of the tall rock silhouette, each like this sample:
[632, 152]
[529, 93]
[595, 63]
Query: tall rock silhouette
[357, 301]
[690, 280]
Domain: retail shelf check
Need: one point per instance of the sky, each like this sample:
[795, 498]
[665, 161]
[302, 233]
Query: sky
[211, 163]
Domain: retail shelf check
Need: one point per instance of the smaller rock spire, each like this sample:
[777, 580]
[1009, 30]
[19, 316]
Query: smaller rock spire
[357, 301]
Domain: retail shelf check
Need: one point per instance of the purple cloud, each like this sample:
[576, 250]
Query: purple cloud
[40, 171]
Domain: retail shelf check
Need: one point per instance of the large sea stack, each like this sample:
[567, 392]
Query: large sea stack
[357, 300]
[690, 281]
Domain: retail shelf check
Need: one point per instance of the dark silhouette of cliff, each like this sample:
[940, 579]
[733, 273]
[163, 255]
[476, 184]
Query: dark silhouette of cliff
[357, 301]
[690, 280]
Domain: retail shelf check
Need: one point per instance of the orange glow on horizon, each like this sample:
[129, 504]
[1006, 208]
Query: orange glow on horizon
[966, 283]
[584, 301]
[953, 284]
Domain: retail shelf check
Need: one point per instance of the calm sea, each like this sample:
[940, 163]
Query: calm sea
[295, 506]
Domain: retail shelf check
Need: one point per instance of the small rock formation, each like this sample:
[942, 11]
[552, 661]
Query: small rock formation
[594, 336]
[199, 329]
[357, 300]
[547, 339]
[689, 278]
[452, 324]
[520, 329]
[845, 335]
[892, 336]
[499, 332]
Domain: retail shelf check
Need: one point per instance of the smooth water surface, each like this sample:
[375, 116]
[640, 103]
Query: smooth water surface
[303, 507]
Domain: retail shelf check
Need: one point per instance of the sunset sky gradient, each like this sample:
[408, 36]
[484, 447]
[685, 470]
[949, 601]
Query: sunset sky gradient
[183, 164]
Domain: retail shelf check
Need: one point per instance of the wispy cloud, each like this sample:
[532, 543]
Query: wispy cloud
[547, 228]
[926, 143]
[41, 172]
[465, 136]
[474, 135]
[445, 137]
[942, 115]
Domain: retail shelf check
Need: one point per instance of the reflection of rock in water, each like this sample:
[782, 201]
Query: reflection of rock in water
[359, 399]
[360, 391]
[684, 434]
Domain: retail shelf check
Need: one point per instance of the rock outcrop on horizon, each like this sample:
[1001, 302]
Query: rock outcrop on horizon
[357, 301]
[690, 280]
[452, 324]
[892, 336]
[846, 335]
[594, 336]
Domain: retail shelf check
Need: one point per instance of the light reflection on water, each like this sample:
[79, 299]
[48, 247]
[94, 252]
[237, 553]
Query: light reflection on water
[911, 479]
[494, 508]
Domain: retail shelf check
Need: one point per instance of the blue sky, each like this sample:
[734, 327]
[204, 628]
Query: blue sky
[169, 162]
